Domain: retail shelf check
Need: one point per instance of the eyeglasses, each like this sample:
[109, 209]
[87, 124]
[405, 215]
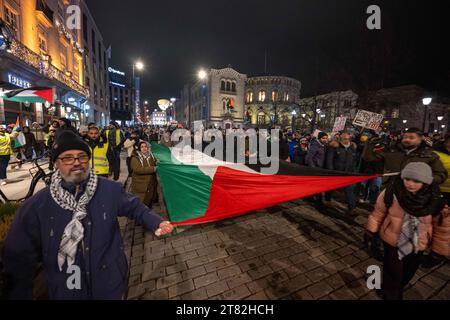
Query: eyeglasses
[71, 160]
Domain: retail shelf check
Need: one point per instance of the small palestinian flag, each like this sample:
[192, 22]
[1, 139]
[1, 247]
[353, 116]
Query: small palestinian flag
[200, 189]
[30, 95]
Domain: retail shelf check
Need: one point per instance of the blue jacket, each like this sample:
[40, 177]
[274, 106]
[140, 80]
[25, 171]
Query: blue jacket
[316, 155]
[36, 234]
[292, 145]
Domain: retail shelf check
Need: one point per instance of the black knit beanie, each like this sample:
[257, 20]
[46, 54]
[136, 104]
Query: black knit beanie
[66, 141]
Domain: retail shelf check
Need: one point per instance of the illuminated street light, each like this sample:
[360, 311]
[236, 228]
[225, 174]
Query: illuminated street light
[139, 65]
[427, 101]
[202, 75]
[405, 121]
[440, 118]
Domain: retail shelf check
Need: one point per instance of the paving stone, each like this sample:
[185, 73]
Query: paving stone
[237, 293]
[197, 262]
[302, 295]
[259, 272]
[238, 280]
[317, 275]
[168, 281]
[199, 294]
[206, 280]
[420, 291]
[250, 264]
[153, 274]
[216, 288]
[181, 288]
[229, 272]
[258, 296]
[162, 294]
[176, 268]
[319, 290]
[343, 294]
[193, 273]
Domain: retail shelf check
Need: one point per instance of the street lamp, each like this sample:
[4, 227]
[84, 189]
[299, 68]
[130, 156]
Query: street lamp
[203, 76]
[405, 121]
[426, 102]
[294, 113]
[440, 118]
[139, 66]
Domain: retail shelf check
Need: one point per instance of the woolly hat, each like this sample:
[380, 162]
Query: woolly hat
[418, 171]
[66, 141]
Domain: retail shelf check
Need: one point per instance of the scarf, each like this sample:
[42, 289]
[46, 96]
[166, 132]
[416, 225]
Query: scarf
[142, 157]
[426, 201]
[74, 231]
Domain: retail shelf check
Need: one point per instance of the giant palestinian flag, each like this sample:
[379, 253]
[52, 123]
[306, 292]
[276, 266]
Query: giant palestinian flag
[199, 189]
[30, 95]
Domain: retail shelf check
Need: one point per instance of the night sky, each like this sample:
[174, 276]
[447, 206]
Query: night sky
[324, 44]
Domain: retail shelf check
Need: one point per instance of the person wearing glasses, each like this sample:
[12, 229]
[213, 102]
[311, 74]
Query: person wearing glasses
[71, 228]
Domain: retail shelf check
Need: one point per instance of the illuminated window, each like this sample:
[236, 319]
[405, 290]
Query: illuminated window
[275, 95]
[12, 20]
[63, 61]
[250, 97]
[262, 96]
[43, 44]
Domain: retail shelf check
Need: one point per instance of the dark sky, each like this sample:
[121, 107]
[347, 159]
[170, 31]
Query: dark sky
[324, 44]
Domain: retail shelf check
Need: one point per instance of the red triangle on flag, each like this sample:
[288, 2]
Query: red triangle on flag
[46, 94]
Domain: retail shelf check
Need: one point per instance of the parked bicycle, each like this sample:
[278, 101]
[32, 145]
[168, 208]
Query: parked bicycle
[38, 173]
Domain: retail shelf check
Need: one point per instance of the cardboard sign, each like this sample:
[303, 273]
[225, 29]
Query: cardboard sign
[339, 124]
[367, 119]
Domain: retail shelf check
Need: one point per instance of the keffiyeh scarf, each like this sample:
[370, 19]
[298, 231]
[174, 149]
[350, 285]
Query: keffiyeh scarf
[74, 231]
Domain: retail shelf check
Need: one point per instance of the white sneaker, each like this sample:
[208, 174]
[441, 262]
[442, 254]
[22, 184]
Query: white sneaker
[3, 183]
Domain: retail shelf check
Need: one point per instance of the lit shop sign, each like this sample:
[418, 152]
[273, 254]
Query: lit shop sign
[117, 84]
[18, 81]
[116, 71]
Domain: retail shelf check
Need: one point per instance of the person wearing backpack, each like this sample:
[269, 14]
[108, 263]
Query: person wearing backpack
[410, 217]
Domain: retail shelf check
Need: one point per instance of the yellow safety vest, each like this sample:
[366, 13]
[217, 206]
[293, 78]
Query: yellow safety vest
[5, 145]
[445, 159]
[117, 142]
[99, 159]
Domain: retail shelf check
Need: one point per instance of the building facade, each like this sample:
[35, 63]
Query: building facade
[270, 100]
[43, 52]
[121, 97]
[48, 50]
[403, 108]
[96, 63]
[218, 100]
[322, 110]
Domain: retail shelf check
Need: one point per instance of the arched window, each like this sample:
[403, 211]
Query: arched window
[262, 96]
[250, 97]
[228, 86]
[233, 87]
[261, 118]
[275, 95]
[222, 85]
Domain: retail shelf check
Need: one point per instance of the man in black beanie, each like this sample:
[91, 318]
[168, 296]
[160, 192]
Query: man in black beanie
[71, 228]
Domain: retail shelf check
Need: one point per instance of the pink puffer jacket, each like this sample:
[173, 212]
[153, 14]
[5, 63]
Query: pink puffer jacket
[433, 232]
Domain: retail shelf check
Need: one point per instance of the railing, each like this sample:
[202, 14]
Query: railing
[45, 68]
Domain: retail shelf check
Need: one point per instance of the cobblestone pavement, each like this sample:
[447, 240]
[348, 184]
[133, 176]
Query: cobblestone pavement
[291, 251]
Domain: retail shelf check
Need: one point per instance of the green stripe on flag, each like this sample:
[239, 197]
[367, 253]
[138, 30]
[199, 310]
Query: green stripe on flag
[186, 188]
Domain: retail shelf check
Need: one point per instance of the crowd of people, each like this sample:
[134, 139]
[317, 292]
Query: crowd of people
[410, 196]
